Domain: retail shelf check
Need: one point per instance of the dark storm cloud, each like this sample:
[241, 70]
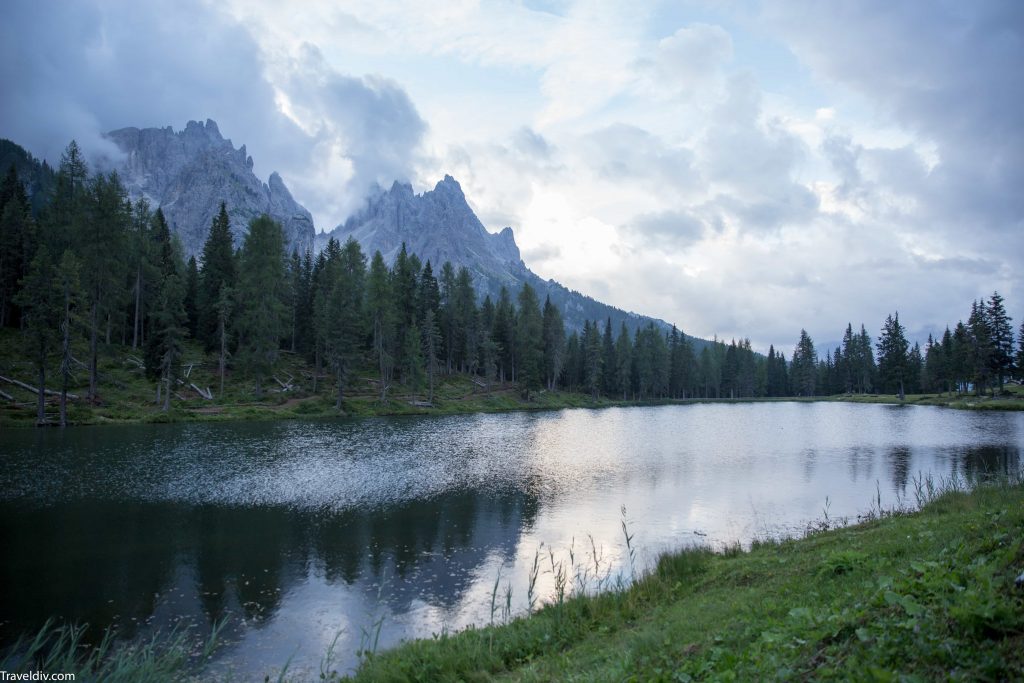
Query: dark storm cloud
[77, 70]
[948, 71]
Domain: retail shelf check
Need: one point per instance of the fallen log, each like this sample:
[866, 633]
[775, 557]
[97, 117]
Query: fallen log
[208, 395]
[284, 387]
[421, 404]
[5, 395]
[29, 387]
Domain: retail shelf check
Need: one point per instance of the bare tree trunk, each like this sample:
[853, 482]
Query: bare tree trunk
[167, 393]
[259, 387]
[223, 354]
[341, 391]
[108, 329]
[65, 361]
[94, 332]
[138, 307]
[41, 403]
[316, 366]
[159, 385]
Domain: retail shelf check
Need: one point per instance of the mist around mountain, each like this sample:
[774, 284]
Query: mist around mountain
[439, 225]
[188, 173]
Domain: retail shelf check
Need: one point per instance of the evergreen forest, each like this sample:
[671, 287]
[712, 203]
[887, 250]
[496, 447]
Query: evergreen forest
[81, 264]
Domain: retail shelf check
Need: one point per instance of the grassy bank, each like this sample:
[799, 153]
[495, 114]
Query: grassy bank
[926, 596]
[126, 396]
[1012, 398]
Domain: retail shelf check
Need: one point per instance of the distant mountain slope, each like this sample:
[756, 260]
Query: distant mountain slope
[37, 176]
[190, 172]
[439, 225]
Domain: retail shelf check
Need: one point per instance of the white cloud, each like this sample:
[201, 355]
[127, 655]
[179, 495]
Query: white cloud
[641, 155]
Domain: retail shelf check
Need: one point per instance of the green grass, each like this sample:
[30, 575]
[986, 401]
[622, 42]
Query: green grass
[1012, 398]
[926, 596]
[175, 656]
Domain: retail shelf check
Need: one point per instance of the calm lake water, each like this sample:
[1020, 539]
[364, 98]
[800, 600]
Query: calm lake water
[299, 531]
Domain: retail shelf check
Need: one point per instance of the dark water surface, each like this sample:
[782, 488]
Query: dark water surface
[299, 531]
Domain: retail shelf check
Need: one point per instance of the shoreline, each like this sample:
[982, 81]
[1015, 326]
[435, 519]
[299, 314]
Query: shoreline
[321, 407]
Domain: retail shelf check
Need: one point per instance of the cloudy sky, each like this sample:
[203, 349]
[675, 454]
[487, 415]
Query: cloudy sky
[742, 169]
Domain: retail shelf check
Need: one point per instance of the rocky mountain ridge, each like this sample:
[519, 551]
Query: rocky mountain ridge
[439, 225]
[190, 172]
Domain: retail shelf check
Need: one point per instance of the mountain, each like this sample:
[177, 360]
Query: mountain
[37, 176]
[190, 172]
[439, 225]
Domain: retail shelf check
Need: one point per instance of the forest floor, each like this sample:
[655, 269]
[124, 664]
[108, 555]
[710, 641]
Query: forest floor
[125, 395]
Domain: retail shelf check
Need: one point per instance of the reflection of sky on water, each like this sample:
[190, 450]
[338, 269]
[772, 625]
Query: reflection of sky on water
[294, 530]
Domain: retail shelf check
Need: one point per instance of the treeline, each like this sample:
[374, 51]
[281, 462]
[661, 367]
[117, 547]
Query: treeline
[976, 356]
[90, 264]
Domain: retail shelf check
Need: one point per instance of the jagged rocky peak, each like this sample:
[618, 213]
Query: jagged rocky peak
[438, 225]
[189, 173]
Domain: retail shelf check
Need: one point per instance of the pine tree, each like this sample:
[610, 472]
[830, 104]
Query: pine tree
[345, 314]
[40, 302]
[431, 349]
[140, 250]
[428, 295]
[17, 242]
[504, 335]
[447, 320]
[261, 288]
[960, 359]
[191, 294]
[1001, 339]
[225, 305]
[101, 247]
[163, 266]
[170, 321]
[850, 360]
[893, 359]
[412, 359]
[488, 346]
[623, 362]
[381, 312]
[68, 283]
[219, 270]
[803, 367]
[529, 333]
[554, 343]
[464, 314]
[980, 346]
[609, 369]
[948, 371]
[590, 346]
[1020, 352]
[304, 306]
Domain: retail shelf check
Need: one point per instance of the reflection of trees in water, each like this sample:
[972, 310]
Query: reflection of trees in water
[899, 467]
[87, 562]
[984, 461]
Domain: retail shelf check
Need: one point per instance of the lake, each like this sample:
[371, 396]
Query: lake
[299, 533]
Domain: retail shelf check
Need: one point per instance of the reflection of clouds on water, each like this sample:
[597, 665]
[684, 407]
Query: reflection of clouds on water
[292, 530]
